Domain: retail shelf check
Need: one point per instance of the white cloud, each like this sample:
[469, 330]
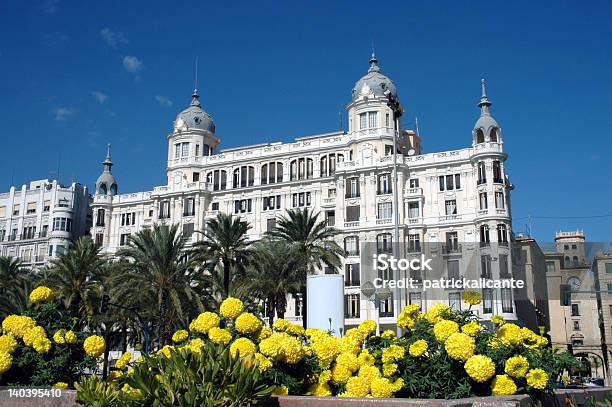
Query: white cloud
[63, 113]
[132, 64]
[164, 101]
[113, 38]
[99, 96]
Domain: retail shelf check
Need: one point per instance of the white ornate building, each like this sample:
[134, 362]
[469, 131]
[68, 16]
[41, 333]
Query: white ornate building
[450, 202]
[40, 220]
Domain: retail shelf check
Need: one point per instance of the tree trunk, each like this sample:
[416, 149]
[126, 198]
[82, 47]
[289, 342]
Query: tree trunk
[226, 277]
[124, 344]
[304, 306]
[162, 316]
[271, 311]
[106, 352]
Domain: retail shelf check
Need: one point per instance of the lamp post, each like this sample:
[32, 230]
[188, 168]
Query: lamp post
[395, 106]
[375, 295]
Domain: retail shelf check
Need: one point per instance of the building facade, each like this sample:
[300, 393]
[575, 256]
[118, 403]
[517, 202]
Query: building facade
[602, 270]
[39, 221]
[449, 203]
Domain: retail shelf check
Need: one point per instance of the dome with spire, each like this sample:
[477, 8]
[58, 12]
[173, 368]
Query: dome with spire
[194, 117]
[486, 127]
[106, 184]
[373, 83]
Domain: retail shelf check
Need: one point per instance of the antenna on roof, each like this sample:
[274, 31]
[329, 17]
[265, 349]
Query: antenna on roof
[196, 74]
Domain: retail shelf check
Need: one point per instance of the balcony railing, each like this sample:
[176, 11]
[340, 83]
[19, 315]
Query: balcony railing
[451, 248]
[385, 221]
[351, 224]
[485, 244]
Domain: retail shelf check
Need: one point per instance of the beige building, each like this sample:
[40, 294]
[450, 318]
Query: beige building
[602, 269]
[572, 301]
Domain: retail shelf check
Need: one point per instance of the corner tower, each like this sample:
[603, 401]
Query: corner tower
[486, 128]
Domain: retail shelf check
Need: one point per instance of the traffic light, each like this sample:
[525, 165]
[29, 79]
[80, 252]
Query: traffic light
[565, 295]
[105, 303]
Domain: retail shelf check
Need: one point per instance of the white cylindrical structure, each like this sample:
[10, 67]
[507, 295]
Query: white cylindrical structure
[326, 302]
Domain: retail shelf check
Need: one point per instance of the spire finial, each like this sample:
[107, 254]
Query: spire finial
[196, 76]
[373, 61]
[108, 151]
[108, 163]
[195, 96]
[484, 100]
[484, 92]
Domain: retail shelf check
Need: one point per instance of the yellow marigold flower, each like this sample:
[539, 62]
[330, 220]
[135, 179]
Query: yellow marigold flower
[381, 388]
[220, 335]
[387, 334]
[471, 328]
[503, 385]
[264, 333]
[407, 318]
[320, 390]
[291, 349]
[537, 379]
[358, 386]
[166, 351]
[33, 334]
[60, 385]
[263, 363]
[70, 337]
[41, 295]
[397, 384]
[17, 325]
[194, 346]
[392, 353]
[326, 350]
[123, 360]
[247, 323]
[281, 391]
[271, 347]
[460, 346]
[565, 379]
[349, 360]
[242, 347]
[6, 361]
[368, 326]
[516, 366]
[356, 334]
[59, 337]
[349, 345]
[307, 350]
[204, 322]
[472, 297]
[115, 374]
[314, 333]
[434, 314]
[443, 329]
[530, 338]
[369, 372]
[180, 336]
[8, 343]
[498, 320]
[340, 374]
[94, 346]
[480, 368]
[42, 345]
[418, 348]
[510, 335]
[389, 369]
[231, 308]
[325, 376]
[365, 358]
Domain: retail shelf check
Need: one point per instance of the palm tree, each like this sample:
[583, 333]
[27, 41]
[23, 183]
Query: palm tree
[313, 241]
[225, 246]
[11, 274]
[272, 276]
[75, 276]
[17, 301]
[157, 268]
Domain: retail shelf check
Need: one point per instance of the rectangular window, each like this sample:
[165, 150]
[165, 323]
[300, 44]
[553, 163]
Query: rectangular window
[214, 206]
[610, 308]
[123, 240]
[99, 239]
[414, 243]
[415, 298]
[297, 305]
[451, 207]
[384, 243]
[373, 120]
[449, 182]
[351, 306]
[452, 267]
[413, 210]
[576, 326]
[330, 217]
[388, 150]
[386, 307]
[385, 210]
[177, 150]
[609, 289]
[188, 230]
[189, 207]
[454, 301]
[331, 193]
[352, 188]
[441, 182]
[351, 245]
[2, 211]
[31, 208]
[363, 121]
[487, 300]
[352, 213]
[504, 271]
[242, 206]
[46, 206]
[16, 210]
[550, 266]
[499, 200]
[270, 224]
[575, 310]
[185, 149]
[457, 181]
[506, 299]
[608, 267]
[414, 182]
[164, 209]
[197, 151]
[482, 197]
[485, 267]
[387, 120]
[196, 177]
[351, 275]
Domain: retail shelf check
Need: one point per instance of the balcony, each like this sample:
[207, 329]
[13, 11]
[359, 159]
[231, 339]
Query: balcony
[386, 221]
[485, 244]
[449, 217]
[328, 202]
[451, 248]
[353, 224]
[413, 192]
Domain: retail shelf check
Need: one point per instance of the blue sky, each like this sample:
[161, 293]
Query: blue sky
[79, 74]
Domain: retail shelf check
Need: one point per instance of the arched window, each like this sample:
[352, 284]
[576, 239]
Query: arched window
[271, 173]
[103, 189]
[575, 260]
[480, 136]
[264, 174]
[567, 261]
[323, 166]
[384, 184]
[218, 178]
[244, 176]
[301, 168]
[113, 189]
[493, 134]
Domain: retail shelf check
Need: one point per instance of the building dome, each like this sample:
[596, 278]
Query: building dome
[486, 127]
[106, 184]
[373, 83]
[194, 117]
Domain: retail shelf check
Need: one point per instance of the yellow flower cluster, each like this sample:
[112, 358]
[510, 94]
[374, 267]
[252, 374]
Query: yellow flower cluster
[510, 334]
[247, 323]
[36, 338]
[70, 337]
[8, 343]
[282, 325]
[434, 314]
[516, 366]
[242, 347]
[472, 328]
[231, 308]
[472, 297]
[326, 349]
[503, 385]
[6, 361]
[195, 345]
[418, 348]
[408, 317]
[219, 335]
[387, 334]
[281, 346]
[498, 320]
[94, 346]
[180, 336]
[537, 379]
[41, 295]
[263, 363]
[460, 346]
[17, 325]
[123, 361]
[204, 322]
[480, 368]
[443, 329]
[59, 337]
[392, 354]
[60, 385]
